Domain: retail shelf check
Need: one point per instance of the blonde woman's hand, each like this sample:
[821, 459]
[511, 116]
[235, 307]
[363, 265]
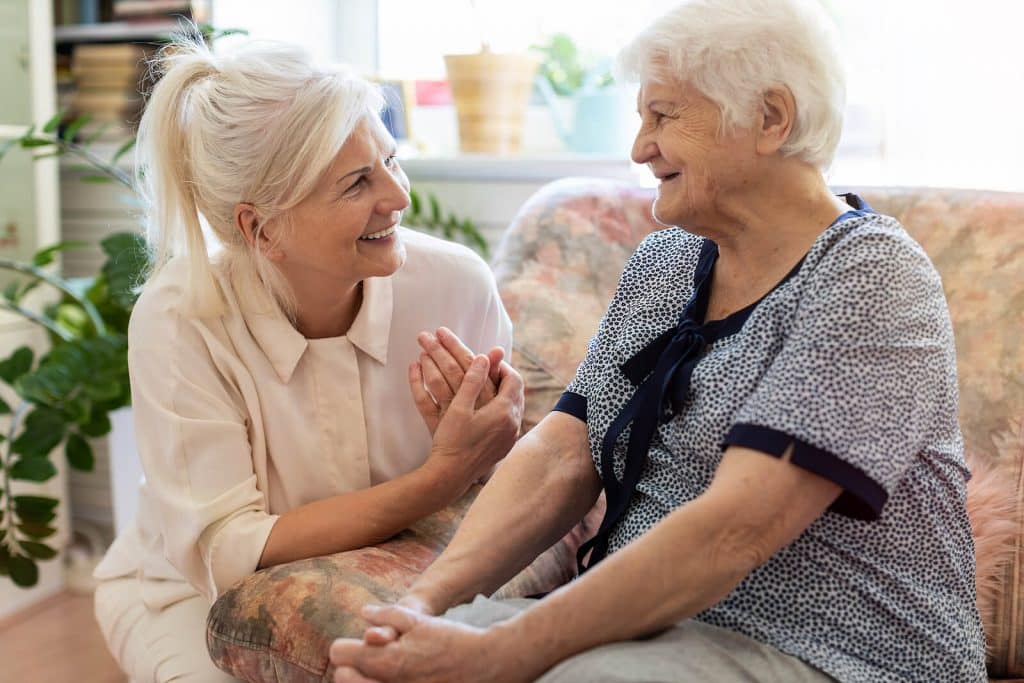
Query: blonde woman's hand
[436, 377]
[470, 439]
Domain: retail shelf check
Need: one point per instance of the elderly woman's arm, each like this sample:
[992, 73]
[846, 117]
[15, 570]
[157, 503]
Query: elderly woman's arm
[756, 505]
[542, 489]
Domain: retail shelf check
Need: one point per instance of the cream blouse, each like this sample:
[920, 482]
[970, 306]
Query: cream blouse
[240, 418]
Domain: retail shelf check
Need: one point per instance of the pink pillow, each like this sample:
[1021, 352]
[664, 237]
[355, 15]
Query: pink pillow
[996, 512]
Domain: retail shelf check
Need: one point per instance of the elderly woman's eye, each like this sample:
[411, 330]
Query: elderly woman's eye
[391, 161]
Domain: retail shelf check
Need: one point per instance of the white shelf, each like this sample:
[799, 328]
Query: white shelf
[114, 31]
[517, 168]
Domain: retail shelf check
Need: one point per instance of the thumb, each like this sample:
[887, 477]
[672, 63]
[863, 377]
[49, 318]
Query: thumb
[400, 619]
[472, 383]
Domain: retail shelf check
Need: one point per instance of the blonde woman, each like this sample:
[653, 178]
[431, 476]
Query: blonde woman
[280, 387]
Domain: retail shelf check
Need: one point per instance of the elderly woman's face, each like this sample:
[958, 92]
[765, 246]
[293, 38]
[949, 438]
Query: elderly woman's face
[345, 231]
[696, 167]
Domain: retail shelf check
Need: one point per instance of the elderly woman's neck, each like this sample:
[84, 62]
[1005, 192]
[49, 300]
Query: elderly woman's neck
[777, 219]
[328, 313]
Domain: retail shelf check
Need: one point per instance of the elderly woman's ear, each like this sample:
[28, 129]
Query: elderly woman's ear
[253, 230]
[778, 114]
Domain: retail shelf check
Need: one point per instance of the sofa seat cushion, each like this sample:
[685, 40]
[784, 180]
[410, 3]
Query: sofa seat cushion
[278, 624]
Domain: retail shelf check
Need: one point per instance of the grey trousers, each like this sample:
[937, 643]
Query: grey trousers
[692, 652]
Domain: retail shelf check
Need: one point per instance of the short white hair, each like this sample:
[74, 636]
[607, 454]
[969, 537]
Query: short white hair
[733, 51]
[259, 125]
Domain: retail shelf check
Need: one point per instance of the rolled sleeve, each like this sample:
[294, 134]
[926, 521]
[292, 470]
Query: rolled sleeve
[865, 374]
[196, 456]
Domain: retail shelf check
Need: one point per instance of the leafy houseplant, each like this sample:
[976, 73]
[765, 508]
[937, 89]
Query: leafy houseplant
[67, 394]
[566, 69]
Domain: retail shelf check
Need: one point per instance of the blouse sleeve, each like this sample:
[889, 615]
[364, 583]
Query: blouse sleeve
[867, 374]
[592, 372]
[195, 452]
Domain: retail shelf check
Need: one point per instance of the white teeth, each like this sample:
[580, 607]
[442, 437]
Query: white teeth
[378, 235]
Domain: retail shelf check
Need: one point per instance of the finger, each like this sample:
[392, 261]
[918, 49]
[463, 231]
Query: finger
[510, 382]
[446, 363]
[468, 393]
[435, 381]
[344, 651]
[400, 619]
[459, 351]
[347, 674]
[380, 635]
[424, 404]
[495, 355]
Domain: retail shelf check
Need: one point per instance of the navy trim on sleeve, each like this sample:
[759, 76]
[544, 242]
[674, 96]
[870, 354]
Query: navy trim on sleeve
[862, 497]
[574, 404]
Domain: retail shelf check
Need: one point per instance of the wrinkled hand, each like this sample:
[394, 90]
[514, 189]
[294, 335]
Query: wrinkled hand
[470, 440]
[429, 649]
[435, 378]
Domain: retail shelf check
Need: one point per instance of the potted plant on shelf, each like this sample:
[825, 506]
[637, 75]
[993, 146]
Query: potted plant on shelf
[592, 113]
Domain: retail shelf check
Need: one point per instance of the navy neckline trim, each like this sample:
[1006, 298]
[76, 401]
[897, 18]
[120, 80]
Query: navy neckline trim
[716, 330]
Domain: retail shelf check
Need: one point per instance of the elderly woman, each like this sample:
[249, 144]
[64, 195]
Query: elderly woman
[769, 404]
[271, 381]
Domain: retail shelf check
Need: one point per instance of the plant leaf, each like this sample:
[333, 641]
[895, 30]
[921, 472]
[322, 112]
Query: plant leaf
[27, 142]
[44, 428]
[79, 453]
[5, 560]
[16, 365]
[23, 570]
[35, 508]
[51, 125]
[122, 150]
[33, 469]
[10, 292]
[435, 209]
[44, 257]
[98, 426]
[39, 551]
[75, 126]
[35, 530]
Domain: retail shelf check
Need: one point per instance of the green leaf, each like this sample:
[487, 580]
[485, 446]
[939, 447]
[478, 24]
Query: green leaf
[35, 509]
[122, 150]
[10, 292]
[27, 143]
[5, 560]
[51, 125]
[39, 551]
[415, 204]
[33, 469]
[16, 365]
[72, 130]
[435, 209]
[98, 426]
[79, 453]
[44, 257]
[127, 262]
[35, 530]
[95, 178]
[44, 429]
[23, 570]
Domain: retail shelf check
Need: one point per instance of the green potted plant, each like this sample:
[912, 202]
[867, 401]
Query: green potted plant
[591, 112]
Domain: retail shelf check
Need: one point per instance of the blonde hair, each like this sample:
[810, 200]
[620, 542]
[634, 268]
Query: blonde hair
[259, 125]
[733, 51]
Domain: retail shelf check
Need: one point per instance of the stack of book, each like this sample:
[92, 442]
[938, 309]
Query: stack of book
[107, 80]
[139, 10]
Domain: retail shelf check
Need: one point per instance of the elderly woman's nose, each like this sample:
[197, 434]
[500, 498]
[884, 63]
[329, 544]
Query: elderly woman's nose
[643, 150]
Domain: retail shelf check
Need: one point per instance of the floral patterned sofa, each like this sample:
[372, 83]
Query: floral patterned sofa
[557, 267]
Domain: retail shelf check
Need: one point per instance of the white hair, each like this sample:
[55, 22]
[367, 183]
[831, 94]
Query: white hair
[733, 51]
[259, 125]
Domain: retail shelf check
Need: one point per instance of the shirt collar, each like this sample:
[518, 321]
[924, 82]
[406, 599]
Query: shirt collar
[283, 345]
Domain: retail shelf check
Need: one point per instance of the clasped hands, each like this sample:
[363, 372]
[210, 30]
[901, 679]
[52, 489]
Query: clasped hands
[472, 405]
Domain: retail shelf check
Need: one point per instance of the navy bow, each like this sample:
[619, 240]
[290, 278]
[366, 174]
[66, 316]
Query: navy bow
[662, 369]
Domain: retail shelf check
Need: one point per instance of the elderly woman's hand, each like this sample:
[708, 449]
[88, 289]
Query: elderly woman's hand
[428, 649]
[437, 375]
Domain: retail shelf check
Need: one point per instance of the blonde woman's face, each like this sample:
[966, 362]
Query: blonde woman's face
[346, 231]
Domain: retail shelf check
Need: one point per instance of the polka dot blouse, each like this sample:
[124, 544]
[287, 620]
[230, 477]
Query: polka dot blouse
[850, 360]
